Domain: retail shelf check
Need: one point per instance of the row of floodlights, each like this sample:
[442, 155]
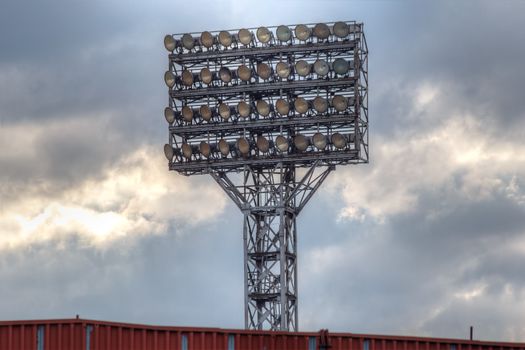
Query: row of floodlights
[339, 66]
[244, 109]
[264, 35]
[243, 147]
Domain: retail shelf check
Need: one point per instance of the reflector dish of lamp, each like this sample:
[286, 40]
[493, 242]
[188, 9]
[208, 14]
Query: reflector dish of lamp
[187, 113]
[302, 32]
[169, 114]
[244, 73]
[225, 74]
[169, 43]
[263, 108]
[338, 140]
[244, 109]
[264, 35]
[245, 37]
[243, 146]
[205, 149]
[169, 152]
[224, 147]
[319, 141]
[187, 41]
[205, 112]
[187, 77]
[281, 143]
[263, 71]
[300, 142]
[320, 104]
[341, 29]
[282, 106]
[302, 68]
[301, 105]
[283, 69]
[321, 67]
[263, 144]
[169, 79]
[206, 39]
[321, 30]
[283, 33]
[224, 111]
[340, 103]
[206, 75]
[186, 151]
[225, 38]
[341, 66]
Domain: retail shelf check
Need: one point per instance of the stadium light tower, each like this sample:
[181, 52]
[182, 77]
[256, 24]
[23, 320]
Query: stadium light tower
[268, 112]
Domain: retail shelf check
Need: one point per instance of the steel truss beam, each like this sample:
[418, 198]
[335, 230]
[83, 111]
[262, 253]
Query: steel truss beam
[270, 200]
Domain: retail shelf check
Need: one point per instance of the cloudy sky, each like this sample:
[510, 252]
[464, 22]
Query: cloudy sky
[427, 239]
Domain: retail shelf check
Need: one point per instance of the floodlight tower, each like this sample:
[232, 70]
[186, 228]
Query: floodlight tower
[268, 112]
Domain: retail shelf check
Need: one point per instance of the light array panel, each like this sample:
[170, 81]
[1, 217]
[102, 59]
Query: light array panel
[268, 95]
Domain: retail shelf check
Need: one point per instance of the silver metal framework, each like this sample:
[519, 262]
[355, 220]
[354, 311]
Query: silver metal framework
[271, 187]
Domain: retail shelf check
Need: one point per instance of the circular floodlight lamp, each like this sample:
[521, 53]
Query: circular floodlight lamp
[205, 112]
[302, 32]
[320, 104]
[187, 41]
[282, 106]
[338, 140]
[169, 79]
[341, 29]
[225, 38]
[244, 109]
[225, 74]
[169, 114]
[206, 39]
[300, 142]
[224, 111]
[281, 143]
[321, 31]
[283, 33]
[321, 67]
[340, 103]
[187, 114]
[244, 73]
[224, 147]
[169, 152]
[169, 43]
[243, 146]
[264, 71]
[205, 149]
[187, 77]
[341, 66]
[245, 36]
[283, 69]
[264, 35]
[206, 75]
[319, 141]
[263, 144]
[186, 151]
[301, 105]
[302, 68]
[263, 108]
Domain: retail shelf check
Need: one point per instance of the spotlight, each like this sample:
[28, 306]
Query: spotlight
[225, 74]
[187, 41]
[225, 38]
[263, 108]
[283, 69]
[244, 73]
[321, 31]
[169, 79]
[302, 68]
[243, 146]
[341, 66]
[244, 109]
[300, 142]
[206, 39]
[281, 143]
[301, 105]
[338, 140]
[320, 104]
[187, 78]
[205, 149]
[340, 103]
[263, 144]
[341, 29]
[302, 32]
[169, 43]
[224, 111]
[169, 152]
[319, 141]
[282, 106]
[264, 71]
[205, 112]
[283, 33]
[224, 147]
[264, 35]
[206, 75]
[321, 67]
[186, 151]
[245, 37]
[169, 114]
[187, 114]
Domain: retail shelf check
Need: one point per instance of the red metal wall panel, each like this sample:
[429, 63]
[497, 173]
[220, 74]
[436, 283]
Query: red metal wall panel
[78, 334]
